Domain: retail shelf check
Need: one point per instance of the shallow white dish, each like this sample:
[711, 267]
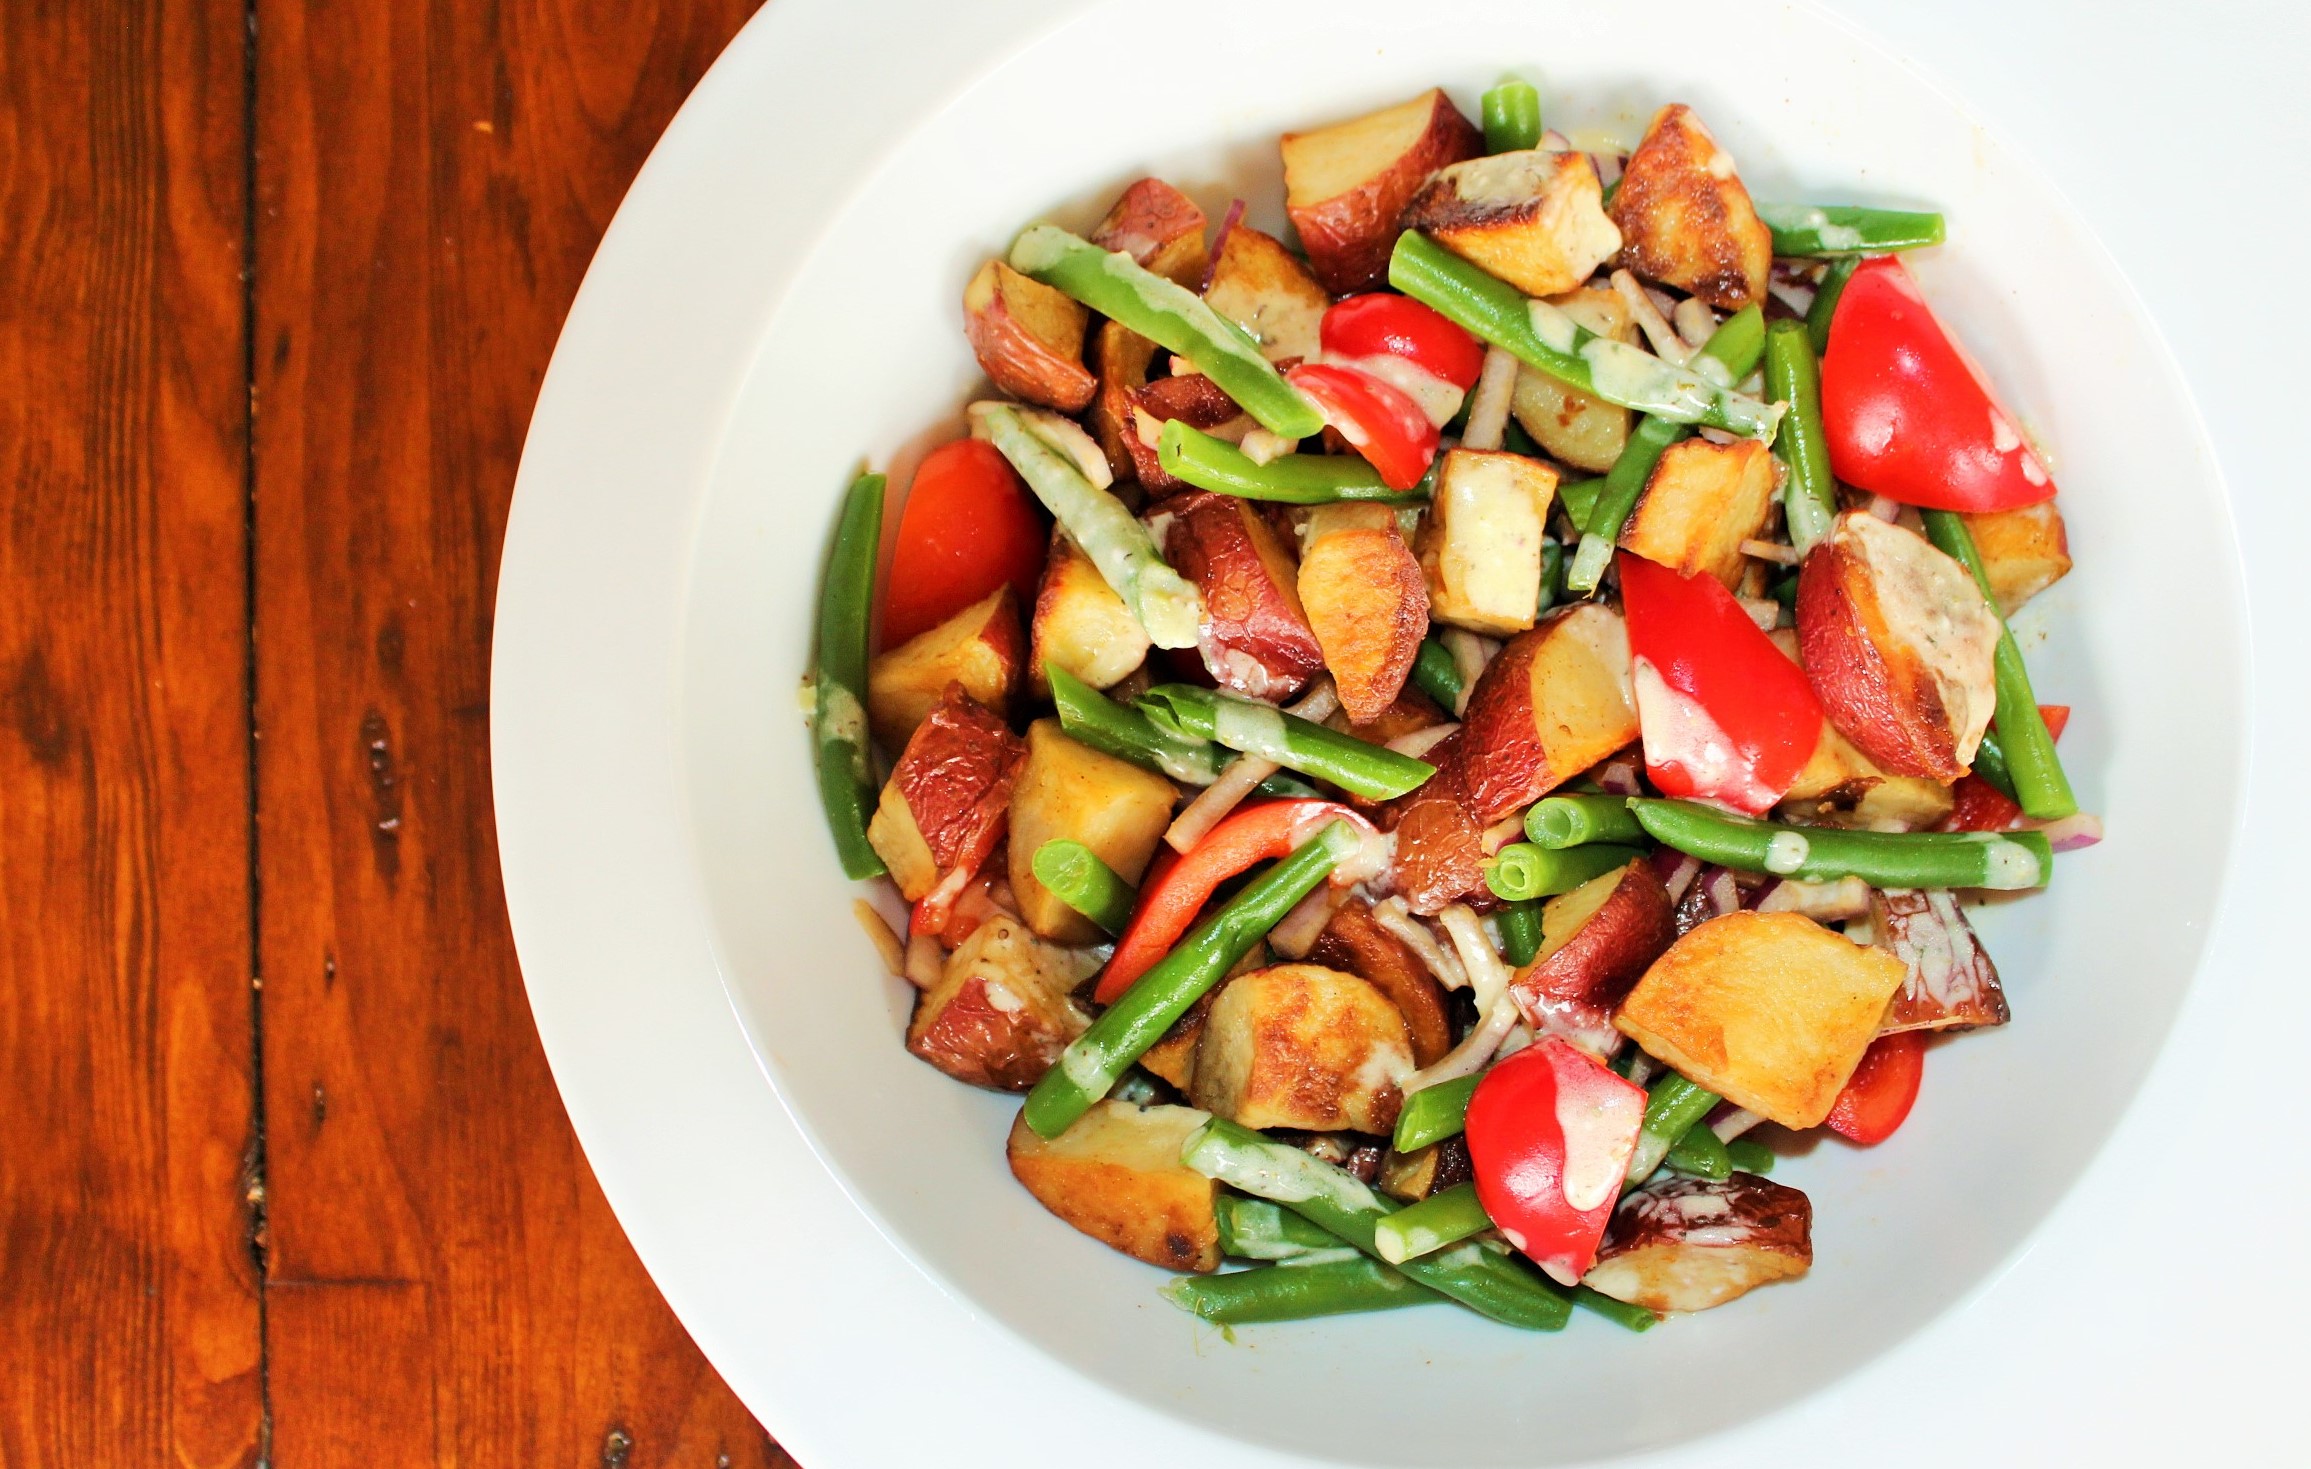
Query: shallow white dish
[763, 314]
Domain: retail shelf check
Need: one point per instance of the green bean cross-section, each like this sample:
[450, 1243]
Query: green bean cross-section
[1557, 822]
[1521, 870]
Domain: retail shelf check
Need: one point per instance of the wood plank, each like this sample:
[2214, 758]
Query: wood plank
[432, 180]
[129, 1316]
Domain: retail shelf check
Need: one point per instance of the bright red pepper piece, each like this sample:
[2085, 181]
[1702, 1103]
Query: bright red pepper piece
[1172, 896]
[1878, 1095]
[1977, 805]
[1726, 716]
[1550, 1134]
[1379, 420]
[1907, 413]
[1380, 324]
[969, 526]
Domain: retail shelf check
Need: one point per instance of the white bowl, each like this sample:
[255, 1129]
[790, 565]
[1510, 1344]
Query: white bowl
[768, 312]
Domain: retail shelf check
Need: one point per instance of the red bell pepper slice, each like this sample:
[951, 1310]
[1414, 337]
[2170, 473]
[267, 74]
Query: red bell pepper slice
[1977, 805]
[1379, 420]
[1907, 413]
[1171, 897]
[969, 526]
[1877, 1097]
[1380, 324]
[1725, 715]
[1550, 1134]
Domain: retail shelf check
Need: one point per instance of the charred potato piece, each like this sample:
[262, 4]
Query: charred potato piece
[1263, 288]
[1366, 602]
[2024, 551]
[980, 647]
[1070, 790]
[1161, 228]
[1121, 357]
[1355, 942]
[1117, 1176]
[1255, 639]
[1003, 1008]
[1949, 982]
[1556, 701]
[1480, 546]
[1080, 624]
[1028, 337]
[1585, 432]
[1596, 941]
[1346, 185]
[1769, 1010]
[1702, 501]
[1536, 219]
[1413, 1176]
[1686, 1244]
[1685, 219]
[1299, 1045]
[948, 798]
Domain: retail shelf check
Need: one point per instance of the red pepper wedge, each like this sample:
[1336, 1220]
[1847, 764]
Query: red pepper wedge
[1378, 324]
[1878, 1096]
[1171, 896]
[1725, 716]
[969, 526]
[1907, 413]
[1550, 1134]
[1977, 805]
[1379, 420]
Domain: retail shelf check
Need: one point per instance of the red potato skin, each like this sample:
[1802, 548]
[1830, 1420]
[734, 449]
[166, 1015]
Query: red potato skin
[1440, 852]
[977, 1041]
[1348, 237]
[1190, 397]
[1355, 943]
[1605, 957]
[1250, 606]
[1498, 760]
[956, 778]
[1017, 359]
[1161, 228]
[1888, 706]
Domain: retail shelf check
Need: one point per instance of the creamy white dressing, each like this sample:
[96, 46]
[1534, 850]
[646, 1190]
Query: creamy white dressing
[1255, 729]
[1680, 734]
[2009, 866]
[840, 716]
[1600, 1126]
[1085, 1065]
[1275, 1171]
[1786, 853]
[1556, 331]
[1931, 603]
[1437, 399]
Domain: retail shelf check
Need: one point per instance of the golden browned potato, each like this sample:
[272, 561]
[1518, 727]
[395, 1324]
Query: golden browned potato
[1685, 219]
[1686, 1244]
[1299, 1045]
[1366, 603]
[1117, 1176]
[1003, 1009]
[1073, 791]
[2024, 551]
[1480, 546]
[980, 647]
[1536, 219]
[1173, 1058]
[1080, 624]
[1702, 501]
[1354, 941]
[1585, 432]
[1121, 357]
[1556, 701]
[1769, 1010]
[1949, 982]
[1345, 185]
[1841, 786]
[1161, 228]
[1028, 337]
[1263, 288]
[948, 798]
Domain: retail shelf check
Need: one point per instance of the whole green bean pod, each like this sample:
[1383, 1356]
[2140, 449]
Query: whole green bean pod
[1512, 117]
[1522, 871]
[1557, 822]
[1371, 771]
[1079, 879]
[1445, 1217]
[1825, 302]
[1579, 497]
[1121, 289]
[1732, 350]
[1092, 718]
[1437, 674]
[1847, 229]
[1620, 1313]
[1121, 1035]
[1258, 1229]
[1552, 576]
[1433, 1114]
[1520, 925]
[2025, 744]
[1700, 1154]
[1673, 1105]
[1296, 1292]
[1809, 496]
[846, 778]
[1485, 1280]
[1187, 453]
[1883, 859]
[1546, 339]
[1748, 1155]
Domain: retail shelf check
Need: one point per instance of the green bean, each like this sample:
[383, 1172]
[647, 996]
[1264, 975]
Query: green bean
[1568, 821]
[1284, 787]
[1092, 718]
[846, 781]
[1255, 1229]
[1443, 1218]
[1522, 871]
[1847, 229]
[1296, 1292]
[1520, 932]
[1552, 576]
[1119, 288]
[1748, 1155]
[1809, 497]
[1484, 1279]
[1189, 454]
[1437, 674]
[2024, 742]
[1699, 1154]
[1579, 497]
[1620, 1313]
[1371, 771]
[1825, 302]
[1925, 859]
[1733, 350]
[1512, 117]
[1990, 763]
[1515, 440]
[1545, 338]
[1124, 1031]
[1079, 879]
[1433, 1114]
[1672, 1106]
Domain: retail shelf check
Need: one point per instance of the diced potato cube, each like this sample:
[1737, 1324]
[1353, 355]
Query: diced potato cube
[1003, 1008]
[946, 802]
[1585, 432]
[1481, 545]
[1173, 1058]
[1702, 502]
[980, 647]
[1536, 218]
[1686, 221]
[1263, 288]
[1117, 1176]
[1071, 790]
[1298, 1045]
[1080, 623]
[2024, 552]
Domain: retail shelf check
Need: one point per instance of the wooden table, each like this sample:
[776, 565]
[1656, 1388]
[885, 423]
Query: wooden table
[284, 1179]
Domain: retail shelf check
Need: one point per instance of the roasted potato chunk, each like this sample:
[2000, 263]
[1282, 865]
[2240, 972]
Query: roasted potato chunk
[2024, 551]
[1410, 712]
[1702, 501]
[1685, 219]
[1263, 288]
[1841, 786]
[1595, 942]
[1003, 1009]
[1949, 982]
[1346, 185]
[1355, 942]
[1769, 1010]
[1190, 397]
[1173, 1058]
[1556, 701]
[1161, 228]
[1117, 1176]
[1080, 624]
[1686, 1244]
[1413, 1176]
[947, 801]
[1480, 546]
[1536, 219]
[1585, 432]
[1299, 1045]
[1366, 602]
[1070, 790]
[1255, 639]
[1121, 357]
[1028, 337]
[1440, 853]
[980, 647]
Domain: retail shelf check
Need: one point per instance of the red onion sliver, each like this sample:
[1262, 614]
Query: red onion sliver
[1682, 878]
[1228, 222]
[1724, 895]
[2073, 833]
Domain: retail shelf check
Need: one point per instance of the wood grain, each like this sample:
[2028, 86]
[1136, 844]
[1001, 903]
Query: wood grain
[129, 1316]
